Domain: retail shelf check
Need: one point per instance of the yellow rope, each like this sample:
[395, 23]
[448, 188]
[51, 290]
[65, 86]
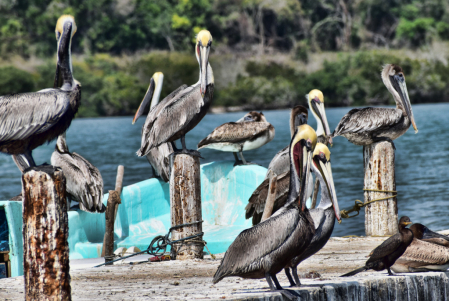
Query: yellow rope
[359, 204]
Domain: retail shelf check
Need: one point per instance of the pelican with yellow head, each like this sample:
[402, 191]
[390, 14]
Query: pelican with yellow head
[157, 156]
[268, 247]
[324, 215]
[183, 109]
[315, 99]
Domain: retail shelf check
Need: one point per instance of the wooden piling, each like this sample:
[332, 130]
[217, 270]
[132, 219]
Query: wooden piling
[381, 217]
[185, 206]
[111, 212]
[271, 198]
[45, 233]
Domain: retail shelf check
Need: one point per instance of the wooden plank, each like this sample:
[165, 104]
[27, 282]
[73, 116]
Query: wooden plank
[381, 217]
[271, 198]
[185, 206]
[45, 233]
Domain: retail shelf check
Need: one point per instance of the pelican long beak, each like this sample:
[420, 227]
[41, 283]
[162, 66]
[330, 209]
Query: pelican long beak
[203, 56]
[63, 74]
[302, 155]
[146, 99]
[326, 172]
[321, 113]
[401, 87]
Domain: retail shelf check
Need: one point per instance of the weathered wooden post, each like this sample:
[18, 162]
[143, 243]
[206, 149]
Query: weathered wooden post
[45, 233]
[185, 206]
[110, 215]
[381, 217]
[271, 198]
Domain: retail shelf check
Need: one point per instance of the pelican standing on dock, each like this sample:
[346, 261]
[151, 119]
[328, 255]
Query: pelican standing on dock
[324, 215]
[250, 132]
[279, 165]
[176, 115]
[368, 125]
[28, 120]
[385, 255]
[265, 249]
[157, 156]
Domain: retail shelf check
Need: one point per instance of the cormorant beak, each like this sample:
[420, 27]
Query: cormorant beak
[146, 99]
[203, 58]
[326, 172]
[63, 74]
[400, 86]
[406, 223]
[318, 108]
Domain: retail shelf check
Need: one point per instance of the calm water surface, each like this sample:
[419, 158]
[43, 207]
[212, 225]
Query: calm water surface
[422, 160]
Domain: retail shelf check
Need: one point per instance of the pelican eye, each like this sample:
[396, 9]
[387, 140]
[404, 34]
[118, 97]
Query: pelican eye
[322, 155]
[58, 35]
[317, 100]
[309, 144]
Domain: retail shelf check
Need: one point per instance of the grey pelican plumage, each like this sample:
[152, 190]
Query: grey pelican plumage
[279, 165]
[28, 120]
[157, 156]
[422, 256]
[84, 183]
[368, 125]
[324, 215]
[385, 255]
[176, 115]
[265, 249]
[250, 132]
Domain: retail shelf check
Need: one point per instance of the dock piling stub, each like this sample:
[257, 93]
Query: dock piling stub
[111, 213]
[185, 206]
[45, 234]
[381, 217]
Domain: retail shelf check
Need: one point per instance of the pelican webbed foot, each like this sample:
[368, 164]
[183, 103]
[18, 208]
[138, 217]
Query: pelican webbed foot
[379, 139]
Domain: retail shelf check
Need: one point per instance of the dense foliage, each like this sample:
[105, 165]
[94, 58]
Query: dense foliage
[159, 35]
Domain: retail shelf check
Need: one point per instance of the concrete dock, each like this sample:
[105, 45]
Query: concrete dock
[192, 279]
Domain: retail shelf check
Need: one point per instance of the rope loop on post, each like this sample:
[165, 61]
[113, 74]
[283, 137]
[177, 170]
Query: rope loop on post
[359, 204]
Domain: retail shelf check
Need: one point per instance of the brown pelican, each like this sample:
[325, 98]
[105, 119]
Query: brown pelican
[157, 156]
[28, 120]
[178, 113]
[368, 125]
[324, 215]
[250, 132]
[315, 99]
[280, 166]
[422, 256]
[265, 249]
[84, 182]
[385, 255]
[423, 233]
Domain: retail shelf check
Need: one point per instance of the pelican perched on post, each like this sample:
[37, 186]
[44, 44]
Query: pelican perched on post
[28, 120]
[265, 249]
[324, 215]
[84, 183]
[157, 156]
[250, 132]
[176, 115]
[368, 125]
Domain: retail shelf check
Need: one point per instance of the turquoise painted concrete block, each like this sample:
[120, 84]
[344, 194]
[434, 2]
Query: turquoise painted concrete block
[145, 213]
[14, 217]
